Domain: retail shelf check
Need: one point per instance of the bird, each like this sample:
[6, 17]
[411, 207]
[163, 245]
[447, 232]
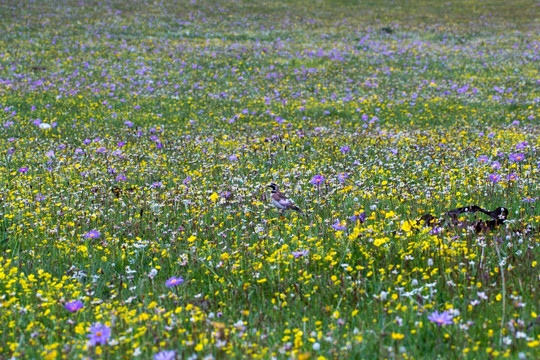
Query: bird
[280, 201]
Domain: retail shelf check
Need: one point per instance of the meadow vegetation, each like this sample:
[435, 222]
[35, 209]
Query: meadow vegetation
[138, 140]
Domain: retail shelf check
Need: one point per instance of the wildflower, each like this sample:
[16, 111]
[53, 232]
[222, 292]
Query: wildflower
[297, 254]
[128, 123]
[358, 217]
[121, 144]
[23, 170]
[483, 159]
[157, 185]
[516, 157]
[165, 355]
[174, 281]
[74, 305]
[49, 154]
[495, 178]
[44, 126]
[152, 273]
[345, 149]
[342, 176]
[338, 227]
[317, 179]
[443, 318]
[512, 177]
[92, 234]
[495, 165]
[521, 145]
[233, 158]
[99, 334]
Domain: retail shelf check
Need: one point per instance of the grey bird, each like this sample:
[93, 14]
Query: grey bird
[280, 201]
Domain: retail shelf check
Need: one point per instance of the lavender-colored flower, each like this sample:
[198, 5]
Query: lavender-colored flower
[495, 178]
[74, 305]
[23, 169]
[443, 318]
[121, 144]
[297, 254]
[436, 230]
[338, 227]
[86, 141]
[358, 217]
[495, 165]
[483, 159]
[516, 157]
[165, 355]
[120, 178]
[157, 185]
[521, 145]
[128, 123]
[529, 200]
[345, 149]
[99, 334]
[92, 234]
[317, 179]
[233, 158]
[341, 177]
[512, 177]
[174, 281]
[49, 154]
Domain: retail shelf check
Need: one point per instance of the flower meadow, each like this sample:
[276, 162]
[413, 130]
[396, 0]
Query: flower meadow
[138, 140]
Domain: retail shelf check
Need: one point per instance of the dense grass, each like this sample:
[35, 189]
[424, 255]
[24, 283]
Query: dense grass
[169, 119]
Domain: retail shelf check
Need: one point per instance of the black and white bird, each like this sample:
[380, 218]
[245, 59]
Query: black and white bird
[280, 201]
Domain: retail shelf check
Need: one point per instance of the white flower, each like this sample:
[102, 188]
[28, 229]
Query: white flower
[44, 126]
[316, 346]
[152, 273]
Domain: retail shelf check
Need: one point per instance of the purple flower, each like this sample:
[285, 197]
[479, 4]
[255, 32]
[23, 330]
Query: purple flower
[174, 281]
[338, 227]
[297, 254]
[74, 305]
[529, 200]
[341, 177]
[495, 165]
[521, 145]
[99, 334]
[120, 178]
[165, 355]
[483, 159]
[317, 179]
[92, 234]
[23, 170]
[516, 157]
[121, 144]
[128, 123]
[233, 158]
[157, 185]
[435, 230]
[443, 318]
[495, 178]
[358, 217]
[345, 149]
[512, 177]
[49, 154]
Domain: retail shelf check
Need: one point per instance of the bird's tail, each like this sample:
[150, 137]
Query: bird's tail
[296, 208]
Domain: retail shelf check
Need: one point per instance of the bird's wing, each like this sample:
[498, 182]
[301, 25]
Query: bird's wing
[279, 197]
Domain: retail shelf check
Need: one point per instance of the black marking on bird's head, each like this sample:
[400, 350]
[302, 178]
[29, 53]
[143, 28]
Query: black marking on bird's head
[273, 187]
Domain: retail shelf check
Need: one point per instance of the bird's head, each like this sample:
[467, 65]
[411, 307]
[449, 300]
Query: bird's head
[273, 187]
